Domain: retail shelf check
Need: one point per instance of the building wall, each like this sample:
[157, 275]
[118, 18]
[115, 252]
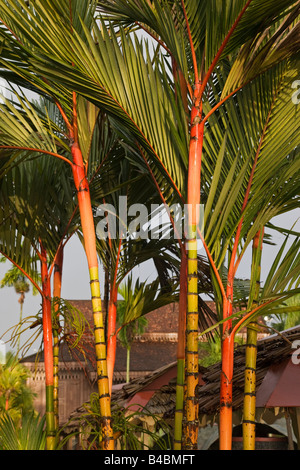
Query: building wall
[75, 388]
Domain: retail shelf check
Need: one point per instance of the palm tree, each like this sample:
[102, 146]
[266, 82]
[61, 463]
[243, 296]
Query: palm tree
[39, 221]
[283, 278]
[90, 119]
[209, 45]
[205, 65]
[290, 316]
[29, 435]
[78, 117]
[251, 348]
[57, 216]
[64, 210]
[128, 331]
[15, 278]
[16, 398]
[43, 219]
[124, 178]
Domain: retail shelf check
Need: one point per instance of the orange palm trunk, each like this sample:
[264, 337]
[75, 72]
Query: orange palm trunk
[225, 425]
[85, 207]
[57, 279]
[112, 322]
[88, 229]
[226, 395]
[111, 337]
[192, 369]
[48, 350]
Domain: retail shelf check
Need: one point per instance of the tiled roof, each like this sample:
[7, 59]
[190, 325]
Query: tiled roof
[271, 350]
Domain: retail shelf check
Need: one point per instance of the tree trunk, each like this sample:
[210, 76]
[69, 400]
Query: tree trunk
[48, 352]
[225, 426]
[192, 370]
[21, 302]
[57, 277]
[111, 337]
[89, 236]
[250, 388]
[128, 364]
[251, 350]
[181, 354]
[112, 322]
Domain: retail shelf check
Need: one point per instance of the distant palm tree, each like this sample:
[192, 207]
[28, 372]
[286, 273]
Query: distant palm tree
[14, 278]
[139, 299]
[15, 396]
[128, 332]
[28, 434]
[290, 318]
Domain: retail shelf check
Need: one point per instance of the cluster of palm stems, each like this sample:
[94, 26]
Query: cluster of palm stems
[200, 113]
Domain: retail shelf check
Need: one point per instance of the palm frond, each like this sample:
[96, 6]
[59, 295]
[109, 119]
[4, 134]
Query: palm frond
[29, 436]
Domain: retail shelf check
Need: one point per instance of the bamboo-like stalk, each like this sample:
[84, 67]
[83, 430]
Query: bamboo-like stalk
[225, 426]
[180, 383]
[112, 322]
[251, 351]
[192, 348]
[128, 364]
[195, 153]
[48, 351]
[250, 388]
[89, 236]
[111, 337]
[57, 278]
[193, 200]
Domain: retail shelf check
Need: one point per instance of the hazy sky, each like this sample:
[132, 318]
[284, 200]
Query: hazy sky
[76, 282]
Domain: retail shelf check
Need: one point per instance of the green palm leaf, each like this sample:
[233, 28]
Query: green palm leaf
[29, 436]
[233, 141]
